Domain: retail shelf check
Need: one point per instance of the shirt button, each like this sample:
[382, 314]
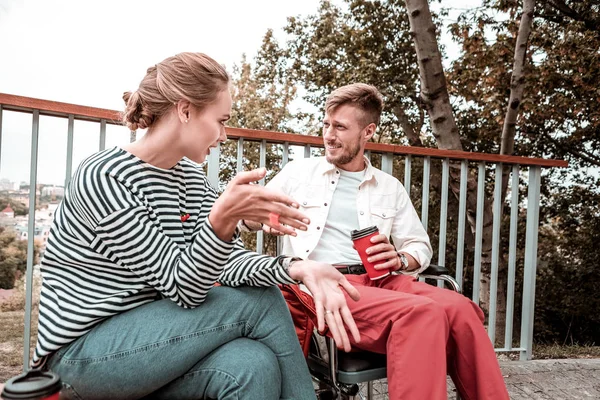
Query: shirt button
[332, 182]
[318, 227]
[383, 214]
[307, 251]
[337, 172]
[325, 204]
[362, 213]
[304, 203]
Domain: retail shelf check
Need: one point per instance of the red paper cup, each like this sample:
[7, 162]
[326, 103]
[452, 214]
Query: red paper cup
[362, 241]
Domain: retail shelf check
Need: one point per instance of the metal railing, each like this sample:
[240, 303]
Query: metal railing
[445, 216]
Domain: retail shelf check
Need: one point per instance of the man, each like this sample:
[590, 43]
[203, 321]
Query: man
[424, 330]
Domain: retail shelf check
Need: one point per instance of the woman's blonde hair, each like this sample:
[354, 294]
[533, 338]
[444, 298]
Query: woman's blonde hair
[194, 77]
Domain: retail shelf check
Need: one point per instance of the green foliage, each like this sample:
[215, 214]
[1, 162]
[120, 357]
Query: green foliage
[18, 207]
[13, 258]
[566, 304]
[362, 41]
[559, 118]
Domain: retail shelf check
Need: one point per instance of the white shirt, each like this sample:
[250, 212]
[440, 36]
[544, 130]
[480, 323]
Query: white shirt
[381, 200]
[335, 245]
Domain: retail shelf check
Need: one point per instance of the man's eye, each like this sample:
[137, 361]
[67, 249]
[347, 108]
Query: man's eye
[326, 125]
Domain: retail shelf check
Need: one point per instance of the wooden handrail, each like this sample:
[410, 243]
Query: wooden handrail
[55, 108]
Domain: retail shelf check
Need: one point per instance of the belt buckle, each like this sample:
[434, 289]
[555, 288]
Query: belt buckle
[356, 269]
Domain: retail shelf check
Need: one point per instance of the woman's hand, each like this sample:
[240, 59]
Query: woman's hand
[242, 200]
[327, 286]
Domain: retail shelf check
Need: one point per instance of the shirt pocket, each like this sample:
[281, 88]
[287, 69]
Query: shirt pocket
[308, 197]
[383, 218]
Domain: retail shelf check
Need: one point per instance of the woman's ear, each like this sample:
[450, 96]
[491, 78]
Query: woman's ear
[183, 110]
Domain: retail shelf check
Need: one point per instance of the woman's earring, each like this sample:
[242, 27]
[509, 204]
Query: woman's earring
[186, 121]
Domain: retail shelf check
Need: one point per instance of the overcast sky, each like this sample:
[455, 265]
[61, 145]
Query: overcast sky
[90, 52]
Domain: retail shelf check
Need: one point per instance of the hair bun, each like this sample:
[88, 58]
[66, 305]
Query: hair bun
[135, 115]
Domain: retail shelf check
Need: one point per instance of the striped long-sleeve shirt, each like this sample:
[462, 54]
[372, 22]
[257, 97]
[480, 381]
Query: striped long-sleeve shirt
[118, 241]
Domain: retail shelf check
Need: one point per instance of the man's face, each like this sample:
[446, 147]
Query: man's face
[345, 136]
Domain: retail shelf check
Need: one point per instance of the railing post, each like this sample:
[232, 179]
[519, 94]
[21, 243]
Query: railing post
[213, 166]
[284, 160]
[240, 155]
[497, 218]
[387, 163]
[260, 235]
[462, 217]
[443, 216]
[478, 231]
[102, 141]
[512, 257]
[531, 243]
[425, 192]
[35, 131]
[407, 171]
[69, 166]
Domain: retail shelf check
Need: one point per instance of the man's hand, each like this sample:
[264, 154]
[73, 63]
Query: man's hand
[327, 286]
[383, 251]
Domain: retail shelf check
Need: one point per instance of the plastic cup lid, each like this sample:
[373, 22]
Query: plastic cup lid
[357, 234]
[33, 384]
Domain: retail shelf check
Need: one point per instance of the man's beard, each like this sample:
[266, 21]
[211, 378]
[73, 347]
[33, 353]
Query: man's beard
[347, 156]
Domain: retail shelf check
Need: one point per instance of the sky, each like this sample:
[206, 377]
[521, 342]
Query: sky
[90, 52]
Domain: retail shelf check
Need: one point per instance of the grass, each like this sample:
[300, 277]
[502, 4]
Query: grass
[11, 342]
[557, 351]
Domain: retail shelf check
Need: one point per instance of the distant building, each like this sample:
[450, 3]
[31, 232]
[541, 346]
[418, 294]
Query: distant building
[7, 212]
[5, 184]
[21, 232]
[53, 191]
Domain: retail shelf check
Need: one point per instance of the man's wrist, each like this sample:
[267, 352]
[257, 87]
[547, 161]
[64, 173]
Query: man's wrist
[405, 262]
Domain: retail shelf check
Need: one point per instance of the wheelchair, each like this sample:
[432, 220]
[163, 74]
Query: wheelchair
[345, 376]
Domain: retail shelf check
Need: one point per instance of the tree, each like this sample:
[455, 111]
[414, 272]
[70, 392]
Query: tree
[559, 118]
[13, 258]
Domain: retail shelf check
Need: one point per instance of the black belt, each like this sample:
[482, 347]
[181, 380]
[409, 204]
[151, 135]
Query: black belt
[354, 269]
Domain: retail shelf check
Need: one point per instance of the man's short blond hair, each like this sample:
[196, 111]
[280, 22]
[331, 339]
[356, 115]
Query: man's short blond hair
[366, 97]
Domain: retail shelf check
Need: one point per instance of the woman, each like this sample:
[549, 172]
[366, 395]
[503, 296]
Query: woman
[128, 305]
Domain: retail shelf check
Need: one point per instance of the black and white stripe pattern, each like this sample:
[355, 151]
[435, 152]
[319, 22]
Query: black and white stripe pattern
[118, 242]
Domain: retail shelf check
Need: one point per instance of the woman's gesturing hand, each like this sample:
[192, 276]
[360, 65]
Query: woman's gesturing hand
[243, 200]
[327, 286]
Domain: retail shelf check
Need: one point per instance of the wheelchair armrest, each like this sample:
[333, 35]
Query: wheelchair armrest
[435, 270]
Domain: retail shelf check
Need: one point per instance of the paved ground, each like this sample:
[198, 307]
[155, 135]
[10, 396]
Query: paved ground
[540, 380]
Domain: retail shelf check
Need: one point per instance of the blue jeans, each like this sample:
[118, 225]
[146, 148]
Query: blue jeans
[239, 344]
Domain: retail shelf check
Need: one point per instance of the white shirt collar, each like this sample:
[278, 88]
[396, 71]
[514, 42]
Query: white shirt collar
[326, 167]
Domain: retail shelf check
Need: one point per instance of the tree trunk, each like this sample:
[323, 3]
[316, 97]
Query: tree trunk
[434, 93]
[517, 80]
[435, 98]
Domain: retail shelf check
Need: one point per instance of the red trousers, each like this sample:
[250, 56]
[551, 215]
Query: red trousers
[426, 332]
